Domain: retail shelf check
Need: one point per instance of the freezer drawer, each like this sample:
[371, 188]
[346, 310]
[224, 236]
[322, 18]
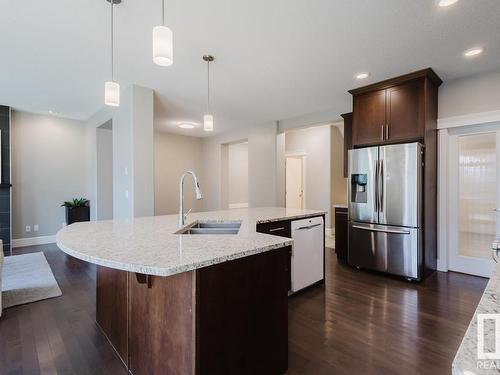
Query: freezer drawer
[391, 249]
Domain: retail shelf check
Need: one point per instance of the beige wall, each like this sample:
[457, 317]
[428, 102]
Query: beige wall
[238, 173]
[339, 183]
[315, 143]
[48, 168]
[173, 155]
[261, 166]
[104, 150]
[475, 94]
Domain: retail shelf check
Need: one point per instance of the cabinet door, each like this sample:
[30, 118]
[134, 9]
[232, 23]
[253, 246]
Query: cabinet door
[369, 118]
[281, 229]
[341, 233]
[347, 139]
[405, 111]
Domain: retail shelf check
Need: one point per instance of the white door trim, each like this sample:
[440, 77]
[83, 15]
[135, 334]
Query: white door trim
[444, 222]
[469, 119]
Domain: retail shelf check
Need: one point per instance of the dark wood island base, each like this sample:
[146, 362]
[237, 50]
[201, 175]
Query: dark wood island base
[229, 318]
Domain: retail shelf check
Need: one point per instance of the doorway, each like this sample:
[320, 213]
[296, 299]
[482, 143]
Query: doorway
[104, 161]
[474, 196]
[295, 181]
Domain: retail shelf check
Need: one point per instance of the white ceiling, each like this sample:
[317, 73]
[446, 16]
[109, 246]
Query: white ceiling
[275, 59]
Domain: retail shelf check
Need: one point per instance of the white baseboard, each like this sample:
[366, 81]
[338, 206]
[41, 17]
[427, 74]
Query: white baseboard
[238, 205]
[329, 231]
[42, 240]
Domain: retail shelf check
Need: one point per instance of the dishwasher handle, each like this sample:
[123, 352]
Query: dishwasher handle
[308, 227]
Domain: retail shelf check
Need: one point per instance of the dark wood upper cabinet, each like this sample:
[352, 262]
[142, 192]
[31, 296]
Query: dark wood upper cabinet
[347, 140]
[368, 118]
[404, 111]
[392, 111]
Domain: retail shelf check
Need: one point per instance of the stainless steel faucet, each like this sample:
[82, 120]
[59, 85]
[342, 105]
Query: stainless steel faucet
[199, 196]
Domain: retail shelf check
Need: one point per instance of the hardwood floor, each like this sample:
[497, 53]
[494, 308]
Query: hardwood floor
[359, 322]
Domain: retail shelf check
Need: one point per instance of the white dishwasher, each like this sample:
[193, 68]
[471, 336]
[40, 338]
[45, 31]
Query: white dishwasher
[307, 252]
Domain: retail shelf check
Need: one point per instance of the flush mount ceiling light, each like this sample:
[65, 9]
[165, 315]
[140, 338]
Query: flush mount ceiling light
[186, 125]
[208, 119]
[163, 44]
[362, 75]
[473, 52]
[112, 88]
[446, 3]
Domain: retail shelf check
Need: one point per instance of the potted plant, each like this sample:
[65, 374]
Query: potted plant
[77, 210]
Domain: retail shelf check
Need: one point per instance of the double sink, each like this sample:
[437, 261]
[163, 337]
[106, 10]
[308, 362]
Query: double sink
[211, 227]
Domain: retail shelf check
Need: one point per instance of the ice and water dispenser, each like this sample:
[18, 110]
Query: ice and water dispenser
[358, 188]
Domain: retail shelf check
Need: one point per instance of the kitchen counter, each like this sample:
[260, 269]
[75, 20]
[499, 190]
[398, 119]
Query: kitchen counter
[191, 303]
[150, 246]
[466, 360]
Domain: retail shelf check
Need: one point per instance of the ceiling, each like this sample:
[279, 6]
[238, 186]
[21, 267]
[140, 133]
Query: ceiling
[273, 59]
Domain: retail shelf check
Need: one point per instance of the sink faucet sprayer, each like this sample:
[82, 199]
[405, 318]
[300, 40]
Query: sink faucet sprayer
[199, 196]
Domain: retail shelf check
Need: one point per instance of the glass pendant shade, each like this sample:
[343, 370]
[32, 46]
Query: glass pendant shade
[112, 93]
[208, 123]
[163, 46]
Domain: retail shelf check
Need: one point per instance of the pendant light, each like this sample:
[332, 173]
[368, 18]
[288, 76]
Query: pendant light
[208, 119]
[112, 88]
[163, 45]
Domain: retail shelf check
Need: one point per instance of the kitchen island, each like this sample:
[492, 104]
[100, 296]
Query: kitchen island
[467, 360]
[191, 303]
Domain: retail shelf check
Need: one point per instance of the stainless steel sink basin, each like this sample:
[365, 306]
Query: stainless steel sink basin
[211, 227]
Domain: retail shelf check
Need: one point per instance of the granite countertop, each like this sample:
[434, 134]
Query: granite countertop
[149, 245]
[466, 360]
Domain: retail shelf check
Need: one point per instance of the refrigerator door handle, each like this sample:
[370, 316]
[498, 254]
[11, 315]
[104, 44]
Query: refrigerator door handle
[375, 186]
[394, 231]
[381, 185]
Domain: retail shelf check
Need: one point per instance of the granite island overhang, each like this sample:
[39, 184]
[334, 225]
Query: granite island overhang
[175, 303]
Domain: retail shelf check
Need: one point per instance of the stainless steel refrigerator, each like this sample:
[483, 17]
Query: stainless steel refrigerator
[385, 209]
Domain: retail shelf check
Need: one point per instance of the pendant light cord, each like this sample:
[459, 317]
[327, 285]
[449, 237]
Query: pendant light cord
[112, 43]
[208, 86]
[163, 12]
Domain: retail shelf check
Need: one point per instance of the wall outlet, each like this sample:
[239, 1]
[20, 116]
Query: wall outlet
[35, 228]
[28, 228]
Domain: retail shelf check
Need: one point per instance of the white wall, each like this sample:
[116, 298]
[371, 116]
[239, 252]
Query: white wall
[133, 175]
[173, 155]
[315, 143]
[475, 94]
[238, 174]
[104, 194]
[261, 166]
[48, 168]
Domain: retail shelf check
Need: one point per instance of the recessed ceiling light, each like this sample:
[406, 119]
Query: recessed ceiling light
[473, 52]
[362, 75]
[186, 125]
[446, 3]
[53, 113]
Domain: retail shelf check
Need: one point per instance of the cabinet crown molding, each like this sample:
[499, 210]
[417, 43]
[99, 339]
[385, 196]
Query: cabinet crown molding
[419, 74]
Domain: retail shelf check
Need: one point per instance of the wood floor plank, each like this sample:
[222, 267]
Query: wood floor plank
[357, 323]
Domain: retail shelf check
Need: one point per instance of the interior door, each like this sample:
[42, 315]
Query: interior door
[474, 191]
[294, 182]
[405, 111]
[368, 118]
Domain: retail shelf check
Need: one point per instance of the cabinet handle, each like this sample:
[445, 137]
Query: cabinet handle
[386, 131]
[383, 133]
[276, 229]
